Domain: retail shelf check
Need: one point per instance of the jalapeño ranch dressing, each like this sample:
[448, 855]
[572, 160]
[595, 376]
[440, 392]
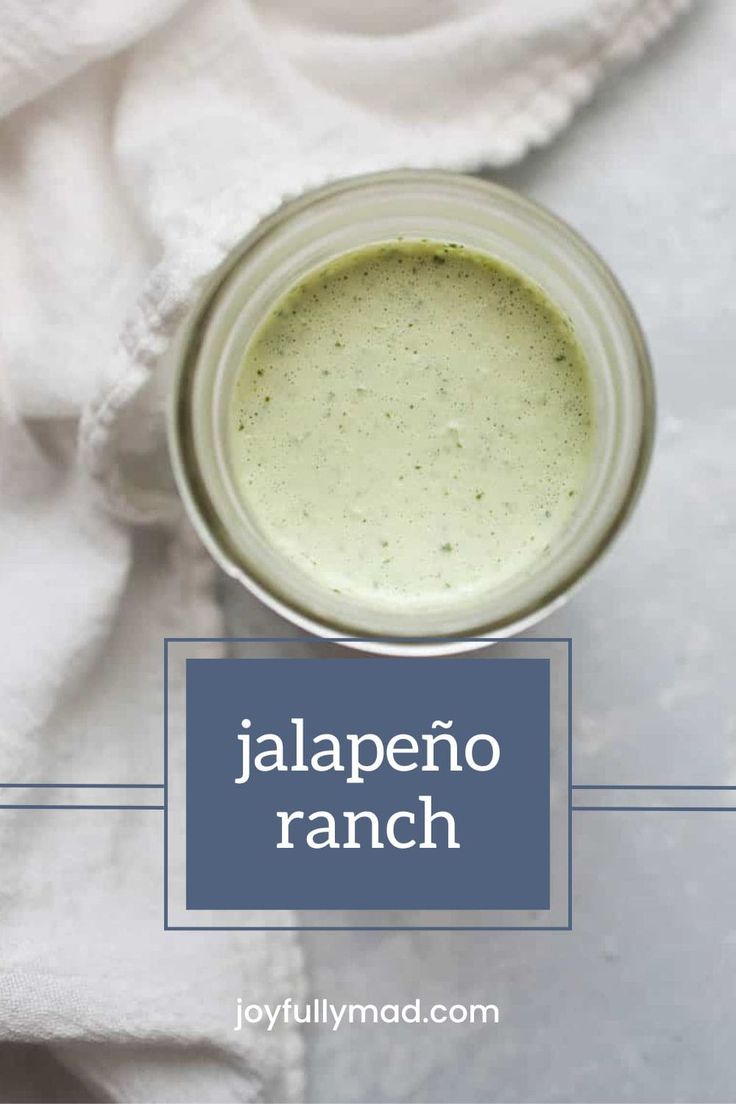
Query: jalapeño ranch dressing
[412, 424]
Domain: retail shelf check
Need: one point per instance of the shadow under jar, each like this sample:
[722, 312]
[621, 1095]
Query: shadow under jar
[413, 407]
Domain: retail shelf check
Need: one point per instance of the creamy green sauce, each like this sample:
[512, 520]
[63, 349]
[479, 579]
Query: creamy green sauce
[412, 424]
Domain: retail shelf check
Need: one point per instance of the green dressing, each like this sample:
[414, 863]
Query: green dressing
[412, 424]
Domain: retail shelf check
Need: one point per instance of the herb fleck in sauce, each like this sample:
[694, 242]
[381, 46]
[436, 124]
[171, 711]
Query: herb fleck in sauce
[416, 396]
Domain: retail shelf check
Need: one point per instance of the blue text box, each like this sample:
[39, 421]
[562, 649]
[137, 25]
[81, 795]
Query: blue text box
[501, 817]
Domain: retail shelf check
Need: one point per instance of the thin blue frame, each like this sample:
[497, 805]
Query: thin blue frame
[567, 640]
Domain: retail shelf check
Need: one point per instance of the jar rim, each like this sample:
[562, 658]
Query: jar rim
[196, 495]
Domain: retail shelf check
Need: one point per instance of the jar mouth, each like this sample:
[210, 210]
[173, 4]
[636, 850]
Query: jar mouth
[352, 214]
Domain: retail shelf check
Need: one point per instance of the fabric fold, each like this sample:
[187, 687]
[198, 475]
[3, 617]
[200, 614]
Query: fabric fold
[138, 143]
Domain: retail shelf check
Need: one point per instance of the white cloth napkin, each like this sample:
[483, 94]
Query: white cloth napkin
[138, 141]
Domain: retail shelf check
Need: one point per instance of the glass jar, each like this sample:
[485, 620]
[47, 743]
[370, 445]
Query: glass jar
[304, 235]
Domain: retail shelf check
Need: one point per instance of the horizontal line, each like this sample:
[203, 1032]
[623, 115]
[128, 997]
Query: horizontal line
[643, 787]
[367, 639]
[81, 806]
[365, 927]
[81, 786]
[654, 808]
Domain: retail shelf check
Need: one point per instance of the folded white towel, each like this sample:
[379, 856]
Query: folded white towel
[138, 141]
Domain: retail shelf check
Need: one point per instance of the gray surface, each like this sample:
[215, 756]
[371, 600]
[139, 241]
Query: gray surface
[29, 1074]
[637, 1003]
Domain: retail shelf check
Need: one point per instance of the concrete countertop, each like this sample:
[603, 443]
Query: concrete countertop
[637, 1002]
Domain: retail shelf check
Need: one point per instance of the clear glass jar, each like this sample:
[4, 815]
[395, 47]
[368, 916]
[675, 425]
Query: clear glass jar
[349, 214]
